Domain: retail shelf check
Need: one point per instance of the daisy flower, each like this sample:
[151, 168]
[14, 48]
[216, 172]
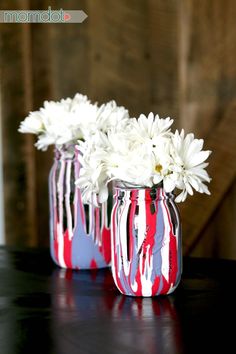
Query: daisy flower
[188, 168]
[150, 130]
[143, 153]
[64, 122]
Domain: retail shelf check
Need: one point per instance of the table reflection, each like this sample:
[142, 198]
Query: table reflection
[87, 303]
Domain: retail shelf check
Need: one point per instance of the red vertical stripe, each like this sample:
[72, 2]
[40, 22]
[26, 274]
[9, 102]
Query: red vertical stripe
[67, 250]
[106, 244]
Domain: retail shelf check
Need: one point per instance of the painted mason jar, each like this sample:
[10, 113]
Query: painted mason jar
[146, 241]
[79, 234]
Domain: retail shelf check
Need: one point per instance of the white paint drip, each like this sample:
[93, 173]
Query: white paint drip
[113, 246]
[98, 238]
[67, 199]
[77, 195]
[134, 286]
[60, 221]
[147, 273]
[123, 235]
[54, 187]
[117, 240]
[141, 217]
[104, 215]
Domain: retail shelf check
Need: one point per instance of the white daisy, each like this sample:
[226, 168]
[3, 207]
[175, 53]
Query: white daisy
[32, 124]
[150, 130]
[144, 154]
[58, 122]
[188, 169]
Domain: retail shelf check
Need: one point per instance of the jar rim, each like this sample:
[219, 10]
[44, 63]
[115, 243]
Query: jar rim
[65, 152]
[127, 185]
[122, 186]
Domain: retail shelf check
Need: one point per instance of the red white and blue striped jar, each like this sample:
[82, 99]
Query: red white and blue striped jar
[79, 234]
[146, 241]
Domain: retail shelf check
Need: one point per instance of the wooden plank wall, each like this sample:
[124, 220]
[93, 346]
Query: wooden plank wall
[207, 103]
[18, 155]
[172, 57]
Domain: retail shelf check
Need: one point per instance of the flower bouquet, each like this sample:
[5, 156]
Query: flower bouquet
[79, 234]
[148, 162]
[99, 145]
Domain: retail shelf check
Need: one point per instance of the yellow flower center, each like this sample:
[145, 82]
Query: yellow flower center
[158, 168]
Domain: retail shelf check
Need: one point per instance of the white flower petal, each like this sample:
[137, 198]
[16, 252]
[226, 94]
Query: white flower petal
[168, 184]
[103, 194]
[198, 158]
[181, 197]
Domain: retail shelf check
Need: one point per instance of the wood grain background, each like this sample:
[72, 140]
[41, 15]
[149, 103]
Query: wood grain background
[175, 58]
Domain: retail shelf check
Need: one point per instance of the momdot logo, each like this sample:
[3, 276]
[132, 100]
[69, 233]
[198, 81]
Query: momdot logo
[42, 16]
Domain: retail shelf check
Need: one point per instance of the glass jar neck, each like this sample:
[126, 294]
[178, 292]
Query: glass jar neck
[65, 152]
[134, 192]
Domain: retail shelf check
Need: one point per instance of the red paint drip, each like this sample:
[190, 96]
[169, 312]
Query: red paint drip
[155, 285]
[93, 264]
[138, 292]
[106, 245]
[173, 259]
[166, 286]
[67, 251]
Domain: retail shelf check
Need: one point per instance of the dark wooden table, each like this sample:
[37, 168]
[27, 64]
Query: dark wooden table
[44, 309]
